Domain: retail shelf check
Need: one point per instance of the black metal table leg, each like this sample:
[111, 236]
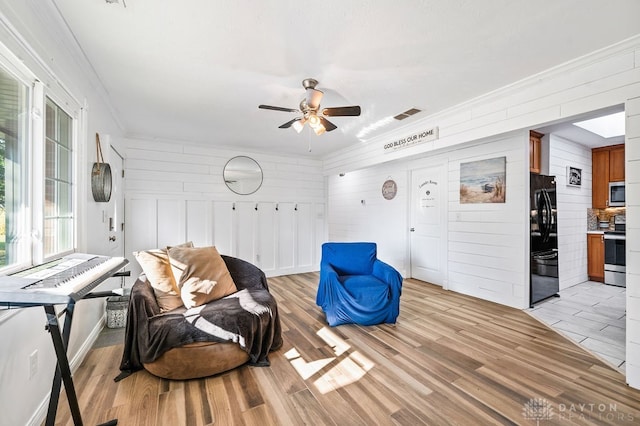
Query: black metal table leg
[63, 371]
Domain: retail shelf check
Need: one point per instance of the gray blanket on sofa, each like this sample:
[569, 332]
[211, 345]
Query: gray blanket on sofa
[248, 317]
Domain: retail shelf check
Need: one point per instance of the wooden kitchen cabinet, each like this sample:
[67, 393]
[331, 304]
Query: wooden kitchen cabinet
[600, 174]
[535, 143]
[595, 257]
[616, 164]
[607, 166]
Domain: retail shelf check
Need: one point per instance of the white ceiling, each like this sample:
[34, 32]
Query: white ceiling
[197, 70]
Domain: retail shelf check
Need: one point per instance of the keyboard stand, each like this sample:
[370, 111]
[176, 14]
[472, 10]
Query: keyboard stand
[63, 371]
[16, 299]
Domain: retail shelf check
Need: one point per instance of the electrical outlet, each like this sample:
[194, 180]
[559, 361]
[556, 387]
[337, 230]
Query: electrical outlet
[33, 363]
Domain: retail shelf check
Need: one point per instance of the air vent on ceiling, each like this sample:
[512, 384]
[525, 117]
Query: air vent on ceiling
[408, 113]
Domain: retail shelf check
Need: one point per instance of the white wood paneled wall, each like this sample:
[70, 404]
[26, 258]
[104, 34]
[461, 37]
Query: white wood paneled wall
[358, 212]
[605, 78]
[175, 193]
[632, 176]
[487, 243]
[602, 79]
[573, 203]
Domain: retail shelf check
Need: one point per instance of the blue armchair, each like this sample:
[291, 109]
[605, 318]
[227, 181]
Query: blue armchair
[357, 288]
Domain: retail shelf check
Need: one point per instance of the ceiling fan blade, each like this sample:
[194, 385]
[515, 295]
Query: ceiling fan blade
[329, 126]
[275, 108]
[313, 98]
[288, 123]
[341, 111]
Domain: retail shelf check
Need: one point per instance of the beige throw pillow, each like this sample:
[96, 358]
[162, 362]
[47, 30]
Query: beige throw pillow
[155, 265]
[201, 275]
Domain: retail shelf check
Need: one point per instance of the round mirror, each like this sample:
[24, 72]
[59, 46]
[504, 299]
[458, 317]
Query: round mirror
[242, 175]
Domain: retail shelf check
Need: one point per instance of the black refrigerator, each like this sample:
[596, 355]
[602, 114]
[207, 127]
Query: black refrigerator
[544, 238]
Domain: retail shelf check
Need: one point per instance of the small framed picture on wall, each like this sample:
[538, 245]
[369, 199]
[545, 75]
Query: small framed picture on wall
[574, 176]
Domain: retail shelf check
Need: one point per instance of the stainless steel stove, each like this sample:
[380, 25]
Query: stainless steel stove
[614, 253]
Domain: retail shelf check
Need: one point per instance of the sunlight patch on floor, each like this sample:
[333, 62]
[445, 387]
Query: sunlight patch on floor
[348, 370]
[339, 345]
[306, 369]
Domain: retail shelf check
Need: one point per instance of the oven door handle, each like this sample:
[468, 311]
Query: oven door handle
[614, 237]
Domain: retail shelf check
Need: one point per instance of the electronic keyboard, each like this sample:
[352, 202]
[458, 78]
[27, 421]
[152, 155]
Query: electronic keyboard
[73, 275]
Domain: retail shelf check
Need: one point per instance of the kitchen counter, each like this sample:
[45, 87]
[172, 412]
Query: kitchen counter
[595, 232]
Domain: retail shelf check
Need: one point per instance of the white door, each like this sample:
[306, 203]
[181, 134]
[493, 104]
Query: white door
[115, 207]
[115, 215]
[428, 224]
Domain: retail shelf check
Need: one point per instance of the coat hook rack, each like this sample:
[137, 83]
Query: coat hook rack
[276, 207]
[296, 208]
[233, 207]
[256, 207]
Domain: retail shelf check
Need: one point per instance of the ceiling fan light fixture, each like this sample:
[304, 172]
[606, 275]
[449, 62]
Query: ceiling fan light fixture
[311, 111]
[313, 98]
[316, 124]
[299, 124]
[314, 120]
[319, 129]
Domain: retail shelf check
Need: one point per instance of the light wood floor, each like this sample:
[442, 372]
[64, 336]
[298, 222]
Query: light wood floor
[450, 359]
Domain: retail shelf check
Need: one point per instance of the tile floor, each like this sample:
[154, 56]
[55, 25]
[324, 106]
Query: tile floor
[592, 314]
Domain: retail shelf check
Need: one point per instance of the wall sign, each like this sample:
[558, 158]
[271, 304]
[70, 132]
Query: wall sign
[411, 140]
[428, 194]
[389, 189]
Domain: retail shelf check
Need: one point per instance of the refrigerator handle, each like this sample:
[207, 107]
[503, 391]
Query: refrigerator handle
[548, 215]
[541, 213]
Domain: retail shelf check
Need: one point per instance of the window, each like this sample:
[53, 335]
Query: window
[15, 242]
[58, 190]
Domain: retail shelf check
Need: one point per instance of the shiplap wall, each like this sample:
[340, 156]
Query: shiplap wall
[632, 176]
[489, 243]
[175, 193]
[602, 79]
[606, 78]
[357, 211]
[573, 203]
[487, 250]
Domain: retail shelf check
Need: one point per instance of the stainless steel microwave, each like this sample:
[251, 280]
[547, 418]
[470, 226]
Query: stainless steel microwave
[616, 194]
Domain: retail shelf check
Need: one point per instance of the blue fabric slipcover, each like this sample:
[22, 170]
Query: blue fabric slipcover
[357, 288]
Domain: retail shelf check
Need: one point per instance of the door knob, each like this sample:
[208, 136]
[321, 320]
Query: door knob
[112, 238]
[412, 229]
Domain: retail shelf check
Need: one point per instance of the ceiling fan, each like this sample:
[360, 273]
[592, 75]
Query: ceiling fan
[311, 112]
